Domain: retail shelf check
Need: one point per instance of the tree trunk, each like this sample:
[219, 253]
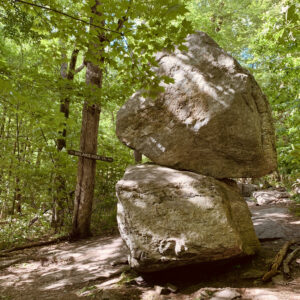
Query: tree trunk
[12, 212]
[17, 192]
[86, 173]
[2, 137]
[60, 199]
[84, 192]
[90, 122]
[17, 196]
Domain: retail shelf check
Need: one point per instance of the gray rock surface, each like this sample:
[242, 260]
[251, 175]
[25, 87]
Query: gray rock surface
[213, 120]
[226, 294]
[274, 223]
[171, 218]
[271, 197]
[267, 228]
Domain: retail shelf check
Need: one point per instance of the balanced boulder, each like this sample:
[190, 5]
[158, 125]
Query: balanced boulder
[213, 120]
[170, 218]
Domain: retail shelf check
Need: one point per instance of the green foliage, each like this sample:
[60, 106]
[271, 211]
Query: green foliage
[16, 230]
[127, 277]
[277, 66]
[36, 42]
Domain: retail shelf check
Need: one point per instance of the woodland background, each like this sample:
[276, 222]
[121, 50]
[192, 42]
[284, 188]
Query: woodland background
[42, 93]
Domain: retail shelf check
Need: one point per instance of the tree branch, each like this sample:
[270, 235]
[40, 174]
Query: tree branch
[67, 15]
[124, 18]
[72, 64]
[80, 68]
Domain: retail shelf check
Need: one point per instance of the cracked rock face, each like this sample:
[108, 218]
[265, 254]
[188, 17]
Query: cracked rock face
[171, 218]
[213, 120]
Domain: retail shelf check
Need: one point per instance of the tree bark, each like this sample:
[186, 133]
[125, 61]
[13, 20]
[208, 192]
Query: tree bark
[17, 192]
[2, 137]
[60, 199]
[277, 261]
[90, 122]
[86, 171]
[12, 212]
[65, 103]
[7, 182]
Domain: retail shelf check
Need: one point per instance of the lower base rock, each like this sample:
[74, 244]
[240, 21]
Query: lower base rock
[170, 218]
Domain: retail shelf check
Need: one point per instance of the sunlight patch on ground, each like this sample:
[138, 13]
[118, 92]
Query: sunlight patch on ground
[268, 294]
[295, 223]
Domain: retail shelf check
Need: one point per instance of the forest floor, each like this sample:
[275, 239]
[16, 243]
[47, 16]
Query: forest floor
[96, 269]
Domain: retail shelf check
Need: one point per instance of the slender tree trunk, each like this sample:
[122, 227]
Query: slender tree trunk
[86, 171]
[17, 192]
[2, 137]
[90, 122]
[61, 197]
[17, 196]
[12, 212]
[6, 183]
[65, 102]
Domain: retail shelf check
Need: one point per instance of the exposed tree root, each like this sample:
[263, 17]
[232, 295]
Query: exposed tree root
[277, 261]
[4, 253]
[14, 262]
[289, 258]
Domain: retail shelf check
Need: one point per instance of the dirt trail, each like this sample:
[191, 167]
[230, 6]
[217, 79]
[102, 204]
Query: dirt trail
[91, 269]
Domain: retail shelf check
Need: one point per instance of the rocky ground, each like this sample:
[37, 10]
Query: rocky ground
[96, 268]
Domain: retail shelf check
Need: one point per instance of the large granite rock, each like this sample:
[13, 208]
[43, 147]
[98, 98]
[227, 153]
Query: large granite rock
[213, 120]
[171, 218]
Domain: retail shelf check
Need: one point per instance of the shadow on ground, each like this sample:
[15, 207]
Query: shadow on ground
[92, 269]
